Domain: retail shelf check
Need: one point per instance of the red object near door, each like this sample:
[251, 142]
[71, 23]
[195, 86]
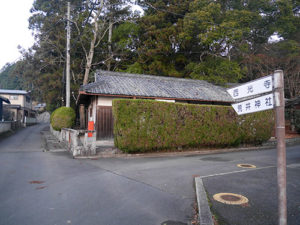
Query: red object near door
[90, 127]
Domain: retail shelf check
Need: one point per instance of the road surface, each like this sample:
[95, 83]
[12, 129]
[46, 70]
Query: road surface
[39, 187]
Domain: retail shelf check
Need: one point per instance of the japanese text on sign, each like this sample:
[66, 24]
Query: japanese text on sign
[258, 86]
[254, 105]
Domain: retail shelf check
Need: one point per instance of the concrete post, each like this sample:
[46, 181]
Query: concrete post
[281, 149]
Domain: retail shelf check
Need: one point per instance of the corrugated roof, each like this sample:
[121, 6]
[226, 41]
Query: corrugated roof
[117, 83]
[6, 91]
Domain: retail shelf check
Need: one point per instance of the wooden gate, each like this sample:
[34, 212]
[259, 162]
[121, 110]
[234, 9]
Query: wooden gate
[104, 122]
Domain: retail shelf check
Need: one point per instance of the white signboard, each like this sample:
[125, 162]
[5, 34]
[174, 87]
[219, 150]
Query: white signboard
[255, 105]
[255, 87]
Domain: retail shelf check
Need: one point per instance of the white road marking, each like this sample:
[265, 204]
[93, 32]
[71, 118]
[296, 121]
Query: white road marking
[294, 165]
[237, 171]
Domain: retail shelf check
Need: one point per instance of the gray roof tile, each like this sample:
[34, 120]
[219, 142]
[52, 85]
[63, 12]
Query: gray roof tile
[117, 83]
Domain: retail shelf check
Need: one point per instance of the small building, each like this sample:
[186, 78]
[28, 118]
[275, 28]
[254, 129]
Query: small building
[96, 98]
[2, 99]
[40, 107]
[20, 106]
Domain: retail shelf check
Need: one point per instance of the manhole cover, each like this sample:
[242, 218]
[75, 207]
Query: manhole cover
[169, 222]
[246, 165]
[230, 198]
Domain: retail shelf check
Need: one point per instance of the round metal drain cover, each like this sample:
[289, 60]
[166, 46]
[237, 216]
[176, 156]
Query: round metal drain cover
[246, 165]
[230, 198]
[169, 222]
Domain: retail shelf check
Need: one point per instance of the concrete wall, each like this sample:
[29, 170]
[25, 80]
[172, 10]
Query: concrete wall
[165, 100]
[77, 141]
[5, 126]
[105, 101]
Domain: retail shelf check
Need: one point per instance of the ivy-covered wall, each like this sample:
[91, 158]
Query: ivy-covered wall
[146, 125]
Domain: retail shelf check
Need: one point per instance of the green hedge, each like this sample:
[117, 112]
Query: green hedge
[63, 117]
[145, 125]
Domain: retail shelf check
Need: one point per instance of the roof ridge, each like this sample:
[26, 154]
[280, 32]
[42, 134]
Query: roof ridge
[5, 91]
[124, 74]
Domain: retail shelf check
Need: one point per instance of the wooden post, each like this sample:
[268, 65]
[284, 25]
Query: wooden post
[82, 116]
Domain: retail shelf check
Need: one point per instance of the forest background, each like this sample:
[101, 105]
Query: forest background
[221, 41]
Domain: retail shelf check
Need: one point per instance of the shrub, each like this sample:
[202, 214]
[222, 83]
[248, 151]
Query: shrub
[51, 116]
[63, 117]
[143, 125]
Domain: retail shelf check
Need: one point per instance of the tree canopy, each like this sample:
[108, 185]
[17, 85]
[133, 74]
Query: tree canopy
[219, 41]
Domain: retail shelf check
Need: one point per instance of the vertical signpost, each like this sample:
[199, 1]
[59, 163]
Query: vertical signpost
[275, 99]
[281, 152]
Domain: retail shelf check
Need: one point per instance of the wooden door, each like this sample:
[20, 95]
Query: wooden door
[104, 122]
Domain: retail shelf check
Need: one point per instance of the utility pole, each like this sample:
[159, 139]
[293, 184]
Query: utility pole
[109, 44]
[68, 58]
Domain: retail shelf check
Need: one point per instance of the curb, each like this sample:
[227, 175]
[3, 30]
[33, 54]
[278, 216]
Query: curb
[270, 145]
[174, 154]
[205, 216]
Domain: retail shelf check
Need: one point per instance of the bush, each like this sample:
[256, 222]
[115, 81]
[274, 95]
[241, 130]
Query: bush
[63, 117]
[143, 125]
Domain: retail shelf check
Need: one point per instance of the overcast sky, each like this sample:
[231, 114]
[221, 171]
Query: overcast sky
[14, 29]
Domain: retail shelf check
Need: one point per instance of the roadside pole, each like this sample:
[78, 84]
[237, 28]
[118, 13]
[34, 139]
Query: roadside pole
[274, 85]
[281, 149]
[68, 58]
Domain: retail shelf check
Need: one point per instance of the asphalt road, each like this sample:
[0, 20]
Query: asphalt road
[260, 187]
[39, 187]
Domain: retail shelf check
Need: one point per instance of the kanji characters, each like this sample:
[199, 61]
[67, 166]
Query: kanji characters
[257, 104]
[235, 92]
[267, 83]
[268, 101]
[248, 106]
[250, 89]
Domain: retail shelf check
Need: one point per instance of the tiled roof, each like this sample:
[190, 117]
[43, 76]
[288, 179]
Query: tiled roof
[117, 83]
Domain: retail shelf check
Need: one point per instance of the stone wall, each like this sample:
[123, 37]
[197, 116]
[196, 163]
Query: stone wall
[43, 117]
